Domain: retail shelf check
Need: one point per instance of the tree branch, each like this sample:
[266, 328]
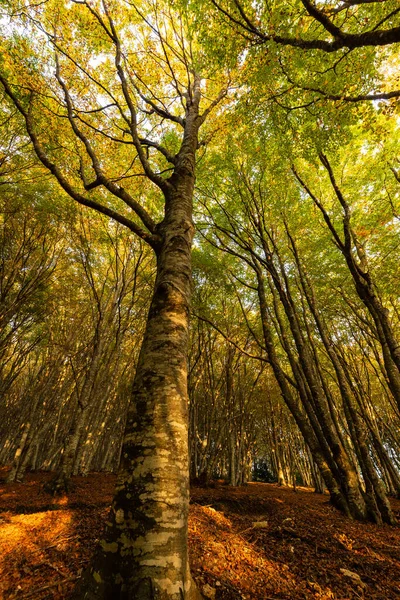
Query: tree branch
[205, 320]
[317, 202]
[321, 17]
[101, 179]
[132, 122]
[151, 239]
[373, 37]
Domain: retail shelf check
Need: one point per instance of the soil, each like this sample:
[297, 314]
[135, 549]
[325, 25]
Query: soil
[259, 541]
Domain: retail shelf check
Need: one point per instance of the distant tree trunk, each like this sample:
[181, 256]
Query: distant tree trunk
[387, 465]
[30, 453]
[12, 476]
[35, 455]
[377, 503]
[61, 481]
[317, 480]
[311, 433]
[17, 470]
[232, 458]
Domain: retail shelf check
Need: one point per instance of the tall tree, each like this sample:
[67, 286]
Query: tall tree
[249, 209]
[112, 95]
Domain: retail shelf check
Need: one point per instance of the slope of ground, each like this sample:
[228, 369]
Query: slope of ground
[256, 542]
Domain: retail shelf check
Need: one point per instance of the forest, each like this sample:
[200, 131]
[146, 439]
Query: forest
[200, 299]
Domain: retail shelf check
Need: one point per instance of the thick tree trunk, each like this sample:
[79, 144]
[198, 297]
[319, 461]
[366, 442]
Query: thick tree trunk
[144, 554]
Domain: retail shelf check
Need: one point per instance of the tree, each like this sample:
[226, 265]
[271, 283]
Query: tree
[247, 215]
[149, 75]
[356, 258]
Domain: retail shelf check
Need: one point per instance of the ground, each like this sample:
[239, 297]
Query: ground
[258, 541]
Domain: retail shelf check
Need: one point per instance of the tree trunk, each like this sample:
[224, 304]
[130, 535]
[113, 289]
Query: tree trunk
[12, 476]
[61, 481]
[16, 474]
[318, 451]
[144, 554]
[232, 458]
[375, 498]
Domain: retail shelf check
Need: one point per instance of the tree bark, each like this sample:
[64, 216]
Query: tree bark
[144, 553]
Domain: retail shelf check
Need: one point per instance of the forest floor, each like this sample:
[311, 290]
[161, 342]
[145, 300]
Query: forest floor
[259, 542]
